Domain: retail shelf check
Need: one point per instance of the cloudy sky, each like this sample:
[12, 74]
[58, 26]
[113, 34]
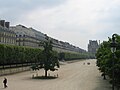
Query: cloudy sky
[73, 21]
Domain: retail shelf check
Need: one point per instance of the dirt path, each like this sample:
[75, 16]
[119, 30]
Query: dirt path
[72, 76]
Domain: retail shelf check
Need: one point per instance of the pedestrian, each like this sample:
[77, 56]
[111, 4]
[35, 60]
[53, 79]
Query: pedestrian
[88, 63]
[5, 82]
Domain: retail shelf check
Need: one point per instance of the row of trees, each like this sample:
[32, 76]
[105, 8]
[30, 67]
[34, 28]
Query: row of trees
[74, 56]
[42, 58]
[17, 55]
[105, 60]
[10, 54]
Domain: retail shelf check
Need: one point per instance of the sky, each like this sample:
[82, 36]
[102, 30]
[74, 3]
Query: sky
[73, 21]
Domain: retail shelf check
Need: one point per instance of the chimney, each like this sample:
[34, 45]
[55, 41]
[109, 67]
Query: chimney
[2, 23]
[7, 24]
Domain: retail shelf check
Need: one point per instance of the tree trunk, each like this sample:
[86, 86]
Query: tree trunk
[104, 76]
[45, 73]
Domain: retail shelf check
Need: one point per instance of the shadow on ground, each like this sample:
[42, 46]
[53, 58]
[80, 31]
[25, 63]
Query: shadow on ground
[43, 77]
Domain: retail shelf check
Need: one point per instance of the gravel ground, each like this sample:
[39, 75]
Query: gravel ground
[72, 76]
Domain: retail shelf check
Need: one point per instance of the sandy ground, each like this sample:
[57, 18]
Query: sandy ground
[72, 76]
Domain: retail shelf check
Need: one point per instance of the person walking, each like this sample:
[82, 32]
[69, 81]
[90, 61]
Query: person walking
[5, 82]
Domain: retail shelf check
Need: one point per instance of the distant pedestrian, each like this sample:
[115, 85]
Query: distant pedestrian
[88, 63]
[5, 82]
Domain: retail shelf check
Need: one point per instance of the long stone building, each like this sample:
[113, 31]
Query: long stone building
[6, 35]
[27, 36]
[23, 36]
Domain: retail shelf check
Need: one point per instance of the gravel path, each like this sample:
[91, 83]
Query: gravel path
[72, 76]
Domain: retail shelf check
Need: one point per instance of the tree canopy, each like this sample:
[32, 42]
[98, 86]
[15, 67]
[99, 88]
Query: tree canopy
[50, 57]
[105, 59]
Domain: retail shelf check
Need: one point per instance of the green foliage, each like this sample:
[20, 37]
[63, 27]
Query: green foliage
[105, 59]
[49, 57]
[73, 56]
[10, 54]
[1, 54]
[34, 67]
[61, 56]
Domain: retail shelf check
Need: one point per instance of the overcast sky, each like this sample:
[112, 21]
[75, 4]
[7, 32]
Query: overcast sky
[73, 21]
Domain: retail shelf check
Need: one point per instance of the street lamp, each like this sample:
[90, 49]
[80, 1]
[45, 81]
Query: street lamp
[113, 46]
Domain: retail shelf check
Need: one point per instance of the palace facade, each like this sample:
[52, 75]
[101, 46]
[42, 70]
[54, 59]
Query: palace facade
[23, 36]
[93, 46]
[6, 35]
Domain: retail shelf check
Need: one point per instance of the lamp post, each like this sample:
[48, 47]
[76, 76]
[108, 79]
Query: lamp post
[113, 46]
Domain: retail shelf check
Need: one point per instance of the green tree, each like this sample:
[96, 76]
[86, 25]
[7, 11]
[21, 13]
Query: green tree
[105, 59]
[50, 57]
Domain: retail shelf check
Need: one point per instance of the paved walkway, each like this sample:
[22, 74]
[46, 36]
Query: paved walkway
[72, 76]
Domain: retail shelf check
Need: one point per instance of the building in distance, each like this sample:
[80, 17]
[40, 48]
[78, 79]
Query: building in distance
[93, 46]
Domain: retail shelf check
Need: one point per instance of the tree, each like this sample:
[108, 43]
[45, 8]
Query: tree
[61, 56]
[50, 57]
[105, 59]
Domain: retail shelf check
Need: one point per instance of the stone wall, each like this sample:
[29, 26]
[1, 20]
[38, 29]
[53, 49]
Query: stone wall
[13, 70]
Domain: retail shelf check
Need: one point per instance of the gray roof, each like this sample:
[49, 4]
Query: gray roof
[22, 30]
